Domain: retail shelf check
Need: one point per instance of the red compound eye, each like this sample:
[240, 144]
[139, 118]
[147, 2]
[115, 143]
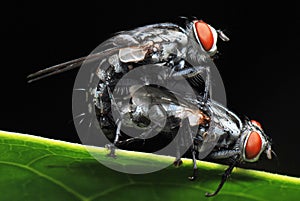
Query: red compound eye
[204, 34]
[256, 123]
[253, 145]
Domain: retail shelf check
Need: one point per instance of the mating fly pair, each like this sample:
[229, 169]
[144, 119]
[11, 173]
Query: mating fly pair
[152, 82]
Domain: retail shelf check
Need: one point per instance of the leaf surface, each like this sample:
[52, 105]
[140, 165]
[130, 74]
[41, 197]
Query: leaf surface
[34, 168]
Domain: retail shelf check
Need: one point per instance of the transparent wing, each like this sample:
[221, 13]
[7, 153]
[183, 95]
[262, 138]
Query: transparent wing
[64, 67]
[132, 44]
[160, 95]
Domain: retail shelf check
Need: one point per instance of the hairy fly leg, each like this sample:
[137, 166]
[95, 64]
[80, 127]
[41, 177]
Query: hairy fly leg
[195, 168]
[112, 147]
[198, 139]
[225, 176]
[193, 75]
[185, 140]
[110, 72]
[178, 161]
[143, 136]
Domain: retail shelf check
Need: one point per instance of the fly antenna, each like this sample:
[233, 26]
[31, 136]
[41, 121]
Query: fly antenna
[222, 35]
[276, 157]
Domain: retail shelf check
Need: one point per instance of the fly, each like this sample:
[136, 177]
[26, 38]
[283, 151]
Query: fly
[221, 134]
[213, 131]
[157, 43]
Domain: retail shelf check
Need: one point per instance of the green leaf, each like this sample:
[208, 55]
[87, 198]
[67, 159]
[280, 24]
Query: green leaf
[34, 168]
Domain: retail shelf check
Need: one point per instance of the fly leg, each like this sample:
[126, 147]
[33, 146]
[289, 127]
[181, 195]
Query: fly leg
[193, 74]
[197, 141]
[178, 161]
[112, 147]
[195, 168]
[101, 100]
[142, 136]
[186, 140]
[190, 140]
[225, 176]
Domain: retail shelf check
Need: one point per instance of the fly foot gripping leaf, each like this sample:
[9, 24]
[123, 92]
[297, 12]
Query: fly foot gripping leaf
[34, 168]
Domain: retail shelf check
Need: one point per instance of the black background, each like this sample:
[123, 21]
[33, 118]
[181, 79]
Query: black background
[258, 66]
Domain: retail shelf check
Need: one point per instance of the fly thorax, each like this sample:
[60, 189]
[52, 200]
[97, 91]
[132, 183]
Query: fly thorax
[230, 127]
[226, 126]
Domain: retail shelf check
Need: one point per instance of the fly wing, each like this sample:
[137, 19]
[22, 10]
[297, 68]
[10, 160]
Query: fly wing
[108, 48]
[164, 96]
[76, 63]
[132, 54]
[130, 45]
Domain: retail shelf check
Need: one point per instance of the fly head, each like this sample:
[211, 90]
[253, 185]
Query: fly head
[207, 36]
[254, 142]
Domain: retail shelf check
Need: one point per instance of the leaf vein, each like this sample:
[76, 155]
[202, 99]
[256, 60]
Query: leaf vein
[51, 179]
[30, 163]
